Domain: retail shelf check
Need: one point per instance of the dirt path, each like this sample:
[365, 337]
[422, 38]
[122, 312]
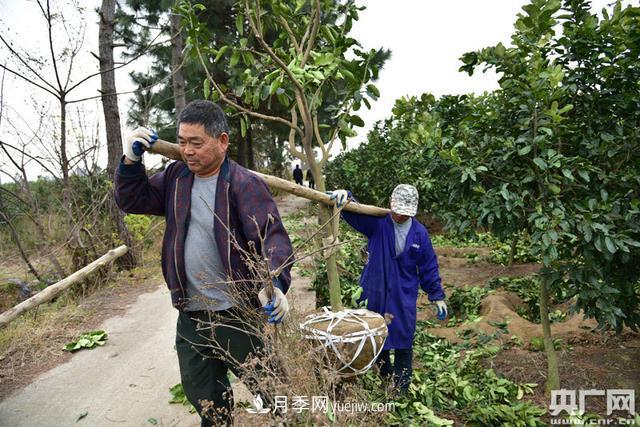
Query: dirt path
[302, 296]
[127, 381]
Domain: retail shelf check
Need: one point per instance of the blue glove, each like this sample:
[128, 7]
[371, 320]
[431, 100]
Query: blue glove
[139, 141]
[339, 196]
[276, 308]
[442, 310]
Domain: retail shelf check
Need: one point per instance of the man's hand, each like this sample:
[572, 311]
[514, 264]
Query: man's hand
[139, 141]
[277, 308]
[340, 197]
[442, 309]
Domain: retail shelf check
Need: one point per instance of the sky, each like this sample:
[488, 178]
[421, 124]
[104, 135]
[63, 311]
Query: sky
[426, 38]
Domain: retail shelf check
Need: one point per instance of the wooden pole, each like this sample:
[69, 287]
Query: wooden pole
[52, 291]
[172, 151]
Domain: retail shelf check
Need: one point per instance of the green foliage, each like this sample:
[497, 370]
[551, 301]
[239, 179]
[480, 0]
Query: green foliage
[476, 240]
[393, 147]
[331, 69]
[178, 397]
[464, 303]
[139, 226]
[537, 343]
[502, 250]
[351, 260]
[88, 340]
[552, 154]
[449, 381]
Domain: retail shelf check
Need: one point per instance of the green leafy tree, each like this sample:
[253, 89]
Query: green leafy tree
[157, 100]
[552, 155]
[300, 57]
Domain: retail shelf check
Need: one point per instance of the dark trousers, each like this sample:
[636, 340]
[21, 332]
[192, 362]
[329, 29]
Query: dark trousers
[203, 370]
[401, 369]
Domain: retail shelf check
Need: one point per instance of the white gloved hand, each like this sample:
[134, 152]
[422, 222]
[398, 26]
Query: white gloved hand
[442, 309]
[139, 141]
[340, 197]
[276, 308]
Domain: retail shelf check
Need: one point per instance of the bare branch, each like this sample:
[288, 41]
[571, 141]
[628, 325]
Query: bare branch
[150, 47]
[36, 159]
[29, 67]
[48, 18]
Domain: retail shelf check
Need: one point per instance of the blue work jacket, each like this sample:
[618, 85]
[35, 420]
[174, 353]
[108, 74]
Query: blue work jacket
[390, 282]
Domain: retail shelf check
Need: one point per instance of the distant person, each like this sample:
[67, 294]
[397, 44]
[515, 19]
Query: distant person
[312, 182]
[209, 201]
[297, 175]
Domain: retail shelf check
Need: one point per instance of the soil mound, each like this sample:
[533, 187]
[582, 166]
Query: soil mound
[502, 306]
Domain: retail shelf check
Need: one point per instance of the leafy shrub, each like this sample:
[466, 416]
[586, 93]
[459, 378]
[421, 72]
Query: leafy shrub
[464, 303]
[501, 251]
[458, 241]
[449, 381]
[139, 227]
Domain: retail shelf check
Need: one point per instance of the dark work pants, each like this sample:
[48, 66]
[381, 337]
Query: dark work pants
[203, 372]
[401, 369]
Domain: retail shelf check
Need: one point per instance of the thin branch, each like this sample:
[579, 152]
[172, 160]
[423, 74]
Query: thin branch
[270, 52]
[74, 53]
[292, 36]
[316, 130]
[292, 137]
[26, 64]
[28, 80]
[123, 64]
[314, 33]
[47, 16]
[32, 157]
[291, 259]
[307, 31]
[238, 106]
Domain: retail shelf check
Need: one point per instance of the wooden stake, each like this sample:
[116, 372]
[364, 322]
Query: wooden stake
[52, 291]
[172, 151]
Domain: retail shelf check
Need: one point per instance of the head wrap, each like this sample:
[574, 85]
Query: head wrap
[404, 200]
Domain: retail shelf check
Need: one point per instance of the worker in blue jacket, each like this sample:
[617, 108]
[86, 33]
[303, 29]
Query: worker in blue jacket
[401, 259]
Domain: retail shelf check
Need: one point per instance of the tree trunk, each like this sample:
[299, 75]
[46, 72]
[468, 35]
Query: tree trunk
[77, 252]
[241, 150]
[553, 374]
[64, 160]
[16, 239]
[112, 122]
[249, 149]
[512, 250]
[177, 46]
[330, 233]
